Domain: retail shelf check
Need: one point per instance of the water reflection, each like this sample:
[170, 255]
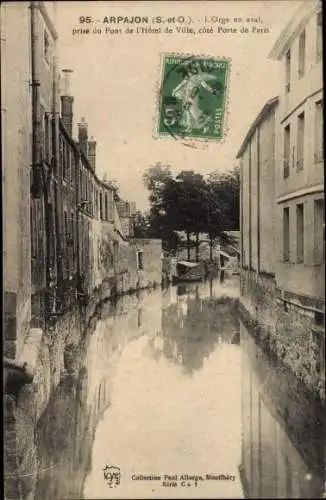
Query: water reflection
[283, 430]
[195, 322]
[170, 413]
[156, 387]
[127, 387]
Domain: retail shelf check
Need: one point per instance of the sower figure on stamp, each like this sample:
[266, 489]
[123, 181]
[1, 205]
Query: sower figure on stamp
[188, 92]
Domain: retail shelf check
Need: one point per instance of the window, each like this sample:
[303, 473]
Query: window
[72, 227]
[66, 230]
[110, 202]
[286, 234]
[319, 37]
[319, 132]
[91, 205]
[83, 186]
[140, 262]
[300, 142]
[61, 154]
[287, 138]
[106, 206]
[51, 237]
[46, 46]
[319, 231]
[64, 159]
[300, 233]
[302, 53]
[95, 203]
[115, 254]
[72, 166]
[288, 71]
[80, 185]
[42, 132]
[66, 170]
[101, 206]
[47, 136]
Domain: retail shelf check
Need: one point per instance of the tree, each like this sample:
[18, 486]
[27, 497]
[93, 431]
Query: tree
[155, 179]
[163, 198]
[142, 225]
[192, 204]
[192, 209]
[225, 186]
[223, 203]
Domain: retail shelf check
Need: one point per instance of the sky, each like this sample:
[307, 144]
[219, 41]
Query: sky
[116, 80]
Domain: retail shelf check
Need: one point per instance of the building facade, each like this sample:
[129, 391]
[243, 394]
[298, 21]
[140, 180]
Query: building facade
[258, 221]
[282, 207]
[66, 245]
[300, 176]
[16, 132]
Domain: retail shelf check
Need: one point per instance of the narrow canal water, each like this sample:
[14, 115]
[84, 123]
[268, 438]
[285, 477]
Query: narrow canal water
[170, 383]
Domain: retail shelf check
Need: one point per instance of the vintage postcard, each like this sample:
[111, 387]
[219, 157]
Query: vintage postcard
[163, 249]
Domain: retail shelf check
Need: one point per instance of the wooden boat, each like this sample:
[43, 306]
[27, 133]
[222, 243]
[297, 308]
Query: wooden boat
[189, 271]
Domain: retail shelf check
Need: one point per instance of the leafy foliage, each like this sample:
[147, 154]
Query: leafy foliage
[189, 203]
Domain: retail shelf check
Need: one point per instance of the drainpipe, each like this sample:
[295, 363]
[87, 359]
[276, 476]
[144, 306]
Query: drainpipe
[35, 84]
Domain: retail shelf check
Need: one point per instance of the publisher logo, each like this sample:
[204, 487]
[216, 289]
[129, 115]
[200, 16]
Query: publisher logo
[112, 475]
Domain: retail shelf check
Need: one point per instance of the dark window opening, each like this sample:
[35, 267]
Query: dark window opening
[286, 234]
[301, 138]
[140, 263]
[300, 233]
[288, 71]
[287, 144]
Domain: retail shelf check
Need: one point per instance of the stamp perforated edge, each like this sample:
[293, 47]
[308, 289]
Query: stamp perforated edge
[191, 141]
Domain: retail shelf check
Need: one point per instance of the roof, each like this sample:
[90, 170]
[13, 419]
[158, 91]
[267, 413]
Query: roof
[271, 104]
[294, 27]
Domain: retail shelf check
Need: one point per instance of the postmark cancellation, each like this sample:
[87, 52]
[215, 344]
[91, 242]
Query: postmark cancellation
[193, 97]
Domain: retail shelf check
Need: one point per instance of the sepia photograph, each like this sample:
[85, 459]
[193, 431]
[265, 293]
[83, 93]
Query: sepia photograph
[163, 229]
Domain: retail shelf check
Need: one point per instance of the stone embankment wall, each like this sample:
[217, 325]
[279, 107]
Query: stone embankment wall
[287, 325]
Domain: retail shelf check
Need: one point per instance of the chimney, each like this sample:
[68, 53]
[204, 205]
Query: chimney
[92, 153]
[83, 136]
[67, 101]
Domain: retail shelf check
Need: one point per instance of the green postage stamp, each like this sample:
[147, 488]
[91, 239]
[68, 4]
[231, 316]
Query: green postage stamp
[193, 97]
